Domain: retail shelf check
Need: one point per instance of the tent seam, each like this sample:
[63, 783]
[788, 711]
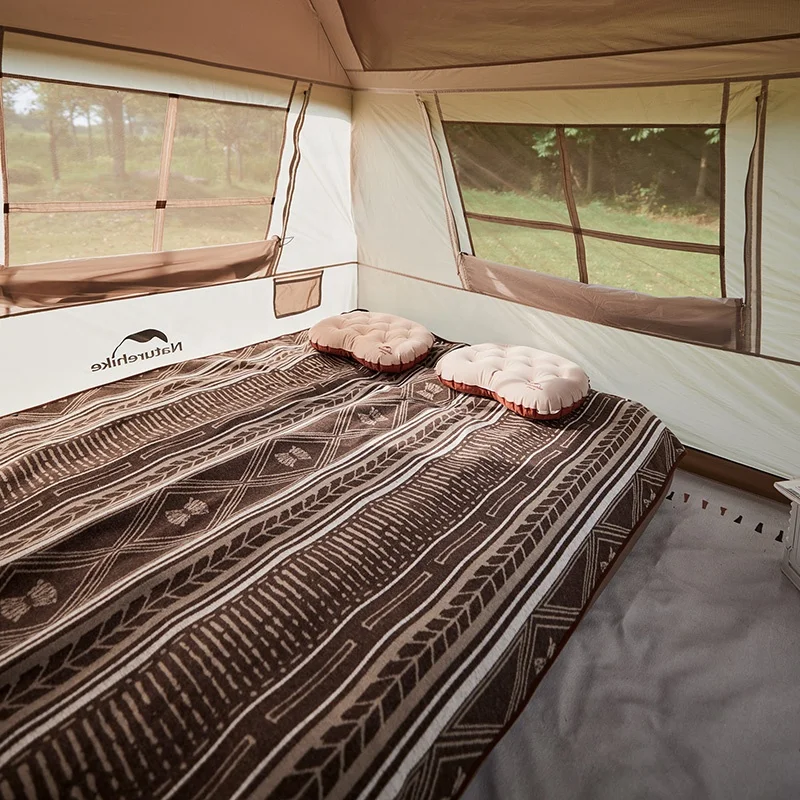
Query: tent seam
[437, 162]
[162, 54]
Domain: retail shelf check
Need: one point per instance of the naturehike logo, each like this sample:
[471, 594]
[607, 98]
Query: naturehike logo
[140, 337]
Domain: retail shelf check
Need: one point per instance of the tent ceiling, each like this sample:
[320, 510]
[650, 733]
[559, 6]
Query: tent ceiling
[421, 34]
[277, 36]
[319, 39]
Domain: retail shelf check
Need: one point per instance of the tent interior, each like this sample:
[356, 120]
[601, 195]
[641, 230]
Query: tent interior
[187, 189]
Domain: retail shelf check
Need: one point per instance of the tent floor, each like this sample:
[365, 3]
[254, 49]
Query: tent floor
[682, 680]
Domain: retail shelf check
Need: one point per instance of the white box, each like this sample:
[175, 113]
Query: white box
[791, 539]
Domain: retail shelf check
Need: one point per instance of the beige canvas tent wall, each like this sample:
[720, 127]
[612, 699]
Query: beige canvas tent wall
[368, 175]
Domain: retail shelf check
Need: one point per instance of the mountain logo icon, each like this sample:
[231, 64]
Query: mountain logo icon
[132, 352]
[144, 336]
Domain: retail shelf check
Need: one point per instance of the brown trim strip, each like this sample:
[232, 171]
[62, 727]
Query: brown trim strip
[522, 223]
[752, 232]
[762, 135]
[460, 288]
[302, 274]
[215, 202]
[566, 182]
[45, 207]
[295, 273]
[294, 165]
[731, 473]
[188, 59]
[551, 125]
[150, 92]
[4, 253]
[134, 205]
[438, 165]
[280, 160]
[557, 87]
[4, 222]
[582, 56]
[661, 244]
[159, 221]
[562, 87]
[463, 207]
[723, 121]
[170, 122]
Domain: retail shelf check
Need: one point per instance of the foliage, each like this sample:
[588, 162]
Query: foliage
[73, 143]
[659, 169]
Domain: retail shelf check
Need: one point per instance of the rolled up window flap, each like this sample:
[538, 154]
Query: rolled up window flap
[64, 283]
[700, 320]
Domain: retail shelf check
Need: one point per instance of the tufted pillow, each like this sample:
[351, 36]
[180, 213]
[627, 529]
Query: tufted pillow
[382, 342]
[532, 383]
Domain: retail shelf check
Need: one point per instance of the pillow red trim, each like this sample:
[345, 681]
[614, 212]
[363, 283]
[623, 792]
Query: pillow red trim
[523, 411]
[334, 351]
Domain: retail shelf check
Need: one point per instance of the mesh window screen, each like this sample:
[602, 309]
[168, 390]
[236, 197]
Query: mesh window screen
[74, 143]
[225, 150]
[87, 171]
[645, 202]
[552, 252]
[198, 227]
[509, 170]
[663, 273]
[53, 237]
[661, 183]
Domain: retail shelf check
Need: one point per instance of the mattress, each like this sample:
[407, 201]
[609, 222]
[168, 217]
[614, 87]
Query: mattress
[273, 573]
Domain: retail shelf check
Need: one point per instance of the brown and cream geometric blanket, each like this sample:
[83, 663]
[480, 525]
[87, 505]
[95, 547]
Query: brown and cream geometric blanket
[272, 573]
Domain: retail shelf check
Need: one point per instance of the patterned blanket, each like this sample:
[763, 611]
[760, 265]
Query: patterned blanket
[272, 573]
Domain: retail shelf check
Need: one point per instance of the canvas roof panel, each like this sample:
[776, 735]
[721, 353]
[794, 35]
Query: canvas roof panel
[419, 34]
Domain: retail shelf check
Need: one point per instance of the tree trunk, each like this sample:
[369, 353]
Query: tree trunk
[590, 172]
[239, 161]
[89, 141]
[51, 127]
[107, 131]
[575, 177]
[228, 165]
[702, 174]
[116, 113]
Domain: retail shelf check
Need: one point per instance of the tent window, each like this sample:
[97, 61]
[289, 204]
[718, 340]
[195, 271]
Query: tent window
[199, 227]
[69, 143]
[651, 270]
[643, 204]
[35, 238]
[225, 150]
[551, 252]
[509, 171]
[98, 172]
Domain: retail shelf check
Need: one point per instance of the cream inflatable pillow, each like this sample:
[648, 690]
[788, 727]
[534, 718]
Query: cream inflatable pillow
[531, 383]
[382, 342]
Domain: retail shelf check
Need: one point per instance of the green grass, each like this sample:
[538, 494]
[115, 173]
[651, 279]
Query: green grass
[198, 172]
[53, 237]
[645, 269]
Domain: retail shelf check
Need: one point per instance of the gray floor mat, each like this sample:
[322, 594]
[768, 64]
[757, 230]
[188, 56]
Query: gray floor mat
[683, 680]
